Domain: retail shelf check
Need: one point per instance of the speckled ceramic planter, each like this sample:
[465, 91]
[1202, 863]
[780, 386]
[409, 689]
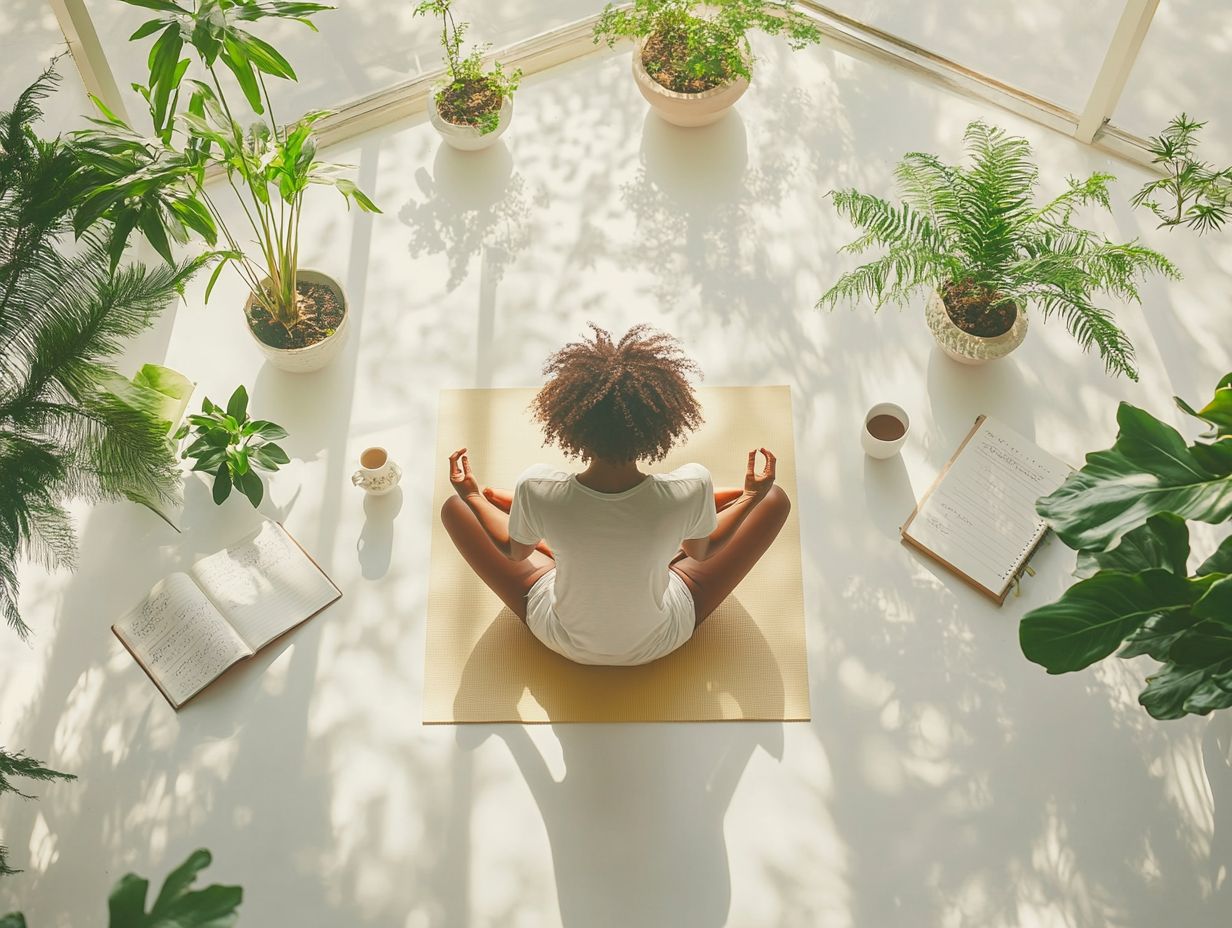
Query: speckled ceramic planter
[468, 138]
[686, 109]
[965, 347]
[314, 357]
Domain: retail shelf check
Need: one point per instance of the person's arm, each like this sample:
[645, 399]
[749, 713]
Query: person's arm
[494, 521]
[732, 516]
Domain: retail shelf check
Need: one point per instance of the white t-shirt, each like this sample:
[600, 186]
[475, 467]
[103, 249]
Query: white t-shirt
[612, 549]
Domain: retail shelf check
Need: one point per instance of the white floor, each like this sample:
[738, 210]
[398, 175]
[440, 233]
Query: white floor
[944, 780]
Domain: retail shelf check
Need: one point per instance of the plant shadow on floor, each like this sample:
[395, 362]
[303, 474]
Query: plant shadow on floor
[635, 823]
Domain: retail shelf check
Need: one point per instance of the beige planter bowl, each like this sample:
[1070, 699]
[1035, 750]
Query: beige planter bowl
[686, 109]
[468, 138]
[965, 347]
[314, 357]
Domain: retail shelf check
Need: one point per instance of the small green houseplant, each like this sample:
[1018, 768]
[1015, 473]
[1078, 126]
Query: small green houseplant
[70, 425]
[232, 447]
[978, 239]
[1125, 512]
[158, 183]
[177, 904]
[473, 106]
[692, 59]
[1191, 192]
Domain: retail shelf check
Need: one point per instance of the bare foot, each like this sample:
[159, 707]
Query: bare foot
[501, 499]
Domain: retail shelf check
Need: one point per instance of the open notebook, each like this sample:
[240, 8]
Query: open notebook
[978, 518]
[192, 626]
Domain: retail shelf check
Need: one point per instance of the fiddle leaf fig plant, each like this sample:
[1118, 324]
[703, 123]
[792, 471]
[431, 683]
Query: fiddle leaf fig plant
[977, 235]
[1192, 192]
[157, 184]
[1125, 512]
[471, 96]
[694, 45]
[233, 447]
[177, 905]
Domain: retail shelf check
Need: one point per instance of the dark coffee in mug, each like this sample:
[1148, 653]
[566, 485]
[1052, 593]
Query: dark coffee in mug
[886, 428]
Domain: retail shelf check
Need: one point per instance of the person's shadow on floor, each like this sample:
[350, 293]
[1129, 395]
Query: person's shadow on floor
[636, 822]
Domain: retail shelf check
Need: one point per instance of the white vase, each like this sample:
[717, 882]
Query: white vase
[965, 347]
[686, 109]
[377, 474]
[312, 357]
[468, 138]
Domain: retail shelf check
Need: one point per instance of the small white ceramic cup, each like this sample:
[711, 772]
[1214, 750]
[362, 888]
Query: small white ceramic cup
[876, 447]
[377, 474]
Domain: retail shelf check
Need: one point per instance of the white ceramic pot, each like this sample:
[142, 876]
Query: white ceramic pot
[965, 347]
[686, 109]
[313, 357]
[377, 474]
[468, 138]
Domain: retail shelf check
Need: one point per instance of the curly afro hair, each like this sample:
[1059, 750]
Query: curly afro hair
[629, 400]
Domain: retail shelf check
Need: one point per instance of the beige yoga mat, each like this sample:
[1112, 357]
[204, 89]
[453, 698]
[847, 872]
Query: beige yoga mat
[747, 661]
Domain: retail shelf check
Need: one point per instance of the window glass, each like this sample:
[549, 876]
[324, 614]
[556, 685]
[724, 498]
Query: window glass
[30, 38]
[1185, 65]
[1050, 48]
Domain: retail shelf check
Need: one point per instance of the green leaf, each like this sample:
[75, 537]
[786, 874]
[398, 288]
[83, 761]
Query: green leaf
[236, 59]
[1093, 617]
[1163, 541]
[178, 905]
[1148, 471]
[149, 27]
[222, 484]
[1169, 691]
[250, 484]
[268, 430]
[1157, 636]
[126, 904]
[1218, 412]
[168, 392]
[1220, 562]
[165, 6]
[271, 456]
[267, 58]
[237, 406]
[151, 225]
[13, 920]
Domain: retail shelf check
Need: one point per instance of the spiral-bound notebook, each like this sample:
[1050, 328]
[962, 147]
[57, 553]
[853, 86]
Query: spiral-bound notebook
[978, 518]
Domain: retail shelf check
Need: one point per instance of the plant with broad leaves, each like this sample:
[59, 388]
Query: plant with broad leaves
[178, 905]
[472, 96]
[1125, 513]
[232, 447]
[693, 45]
[19, 765]
[977, 232]
[1191, 192]
[157, 183]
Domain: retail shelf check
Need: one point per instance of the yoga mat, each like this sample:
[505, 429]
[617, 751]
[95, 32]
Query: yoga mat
[747, 661]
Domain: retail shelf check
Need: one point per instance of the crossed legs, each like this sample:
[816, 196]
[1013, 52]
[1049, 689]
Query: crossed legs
[710, 581]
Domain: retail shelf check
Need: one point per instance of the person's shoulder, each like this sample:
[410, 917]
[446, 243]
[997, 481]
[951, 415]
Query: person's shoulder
[686, 473]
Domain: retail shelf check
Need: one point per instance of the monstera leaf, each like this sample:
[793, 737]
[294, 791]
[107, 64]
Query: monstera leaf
[177, 905]
[1149, 470]
[1126, 512]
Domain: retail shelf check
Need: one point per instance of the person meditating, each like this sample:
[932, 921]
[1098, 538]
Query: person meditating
[613, 565]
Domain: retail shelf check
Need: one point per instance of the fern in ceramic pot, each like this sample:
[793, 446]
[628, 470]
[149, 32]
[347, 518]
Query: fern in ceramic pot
[691, 60]
[976, 237]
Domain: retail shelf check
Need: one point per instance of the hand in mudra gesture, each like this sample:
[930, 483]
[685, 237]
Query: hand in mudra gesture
[460, 475]
[755, 484]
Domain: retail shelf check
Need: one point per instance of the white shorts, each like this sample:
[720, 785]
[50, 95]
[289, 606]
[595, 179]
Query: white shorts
[543, 623]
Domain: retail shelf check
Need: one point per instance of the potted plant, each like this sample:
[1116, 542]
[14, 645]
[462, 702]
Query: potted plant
[1191, 193]
[231, 447]
[1126, 513]
[157, 183]
[976, 238]
[691, 58]
[70, 426]
[472, 107]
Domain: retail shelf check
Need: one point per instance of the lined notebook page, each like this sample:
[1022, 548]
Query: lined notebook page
[980, 517]
[264, 585]
[180, 637]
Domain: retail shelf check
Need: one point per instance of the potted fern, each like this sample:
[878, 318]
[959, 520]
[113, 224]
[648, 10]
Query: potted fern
[691, 58]
[472, 107]
[976, 238]
[157, 183]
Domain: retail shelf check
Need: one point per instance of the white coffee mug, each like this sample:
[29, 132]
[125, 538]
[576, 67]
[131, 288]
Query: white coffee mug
[377, 473]
[891, 427]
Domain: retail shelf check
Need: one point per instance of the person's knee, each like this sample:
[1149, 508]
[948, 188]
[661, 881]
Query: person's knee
[453, 510]
[778, 500]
